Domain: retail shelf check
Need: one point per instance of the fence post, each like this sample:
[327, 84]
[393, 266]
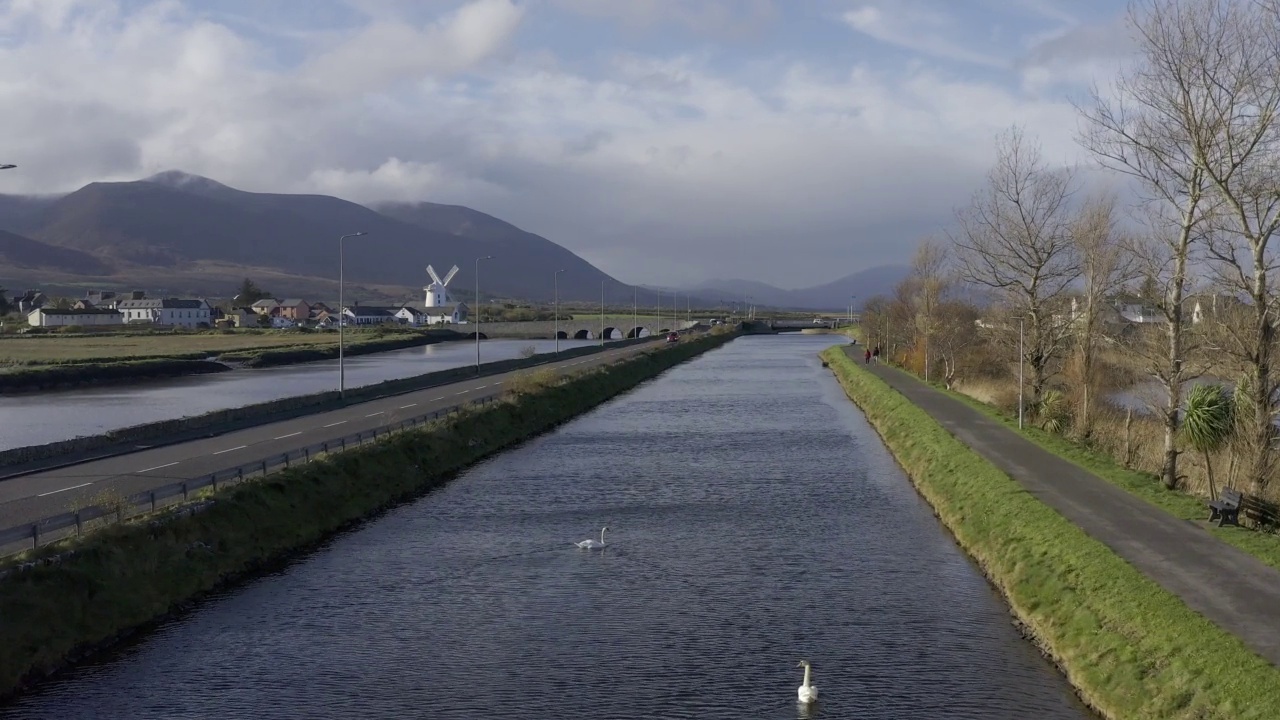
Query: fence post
[78, 528]
[153, 501]
[184, 492]
[35, 536]
[264, 468]
[239, 474]
[213, 480]
[306, 455]
[286, 461]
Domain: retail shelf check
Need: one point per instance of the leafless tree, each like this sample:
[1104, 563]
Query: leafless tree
[1150, 127]
[955, 334]
[1015, 238]
[1105, 264]
[930, 280]
[1239, 76]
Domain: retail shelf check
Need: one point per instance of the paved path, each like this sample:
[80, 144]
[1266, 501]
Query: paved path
[1233, 589]
[38, 495]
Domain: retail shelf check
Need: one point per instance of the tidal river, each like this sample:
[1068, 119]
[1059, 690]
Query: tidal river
[755, 520]
[39, 418]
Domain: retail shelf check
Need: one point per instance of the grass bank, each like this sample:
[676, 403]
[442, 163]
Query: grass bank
[179, 429]
[1131, 648]
[41, 378]
[273, 356]
[126, 577]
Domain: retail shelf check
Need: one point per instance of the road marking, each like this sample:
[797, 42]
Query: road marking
[464, 392]
[498, 383]
[375, 414]
[337, 423]
[408, 406]
[481, 387]
[439, 398]
[160, 466]
[239, 447]
[73, 487]
[287, 436]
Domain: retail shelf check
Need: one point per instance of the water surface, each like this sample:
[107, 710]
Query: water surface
[755, 520]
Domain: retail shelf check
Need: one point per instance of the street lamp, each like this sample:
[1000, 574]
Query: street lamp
[1021, 356]
[486, 257]
[851, 299]
[555, 279]
[635, 310]
[342, 321]
[601, 313]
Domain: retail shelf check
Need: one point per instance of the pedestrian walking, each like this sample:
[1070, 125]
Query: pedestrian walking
[875, 355]
[867, 359]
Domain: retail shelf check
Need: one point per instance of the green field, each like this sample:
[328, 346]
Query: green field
[1132, 648]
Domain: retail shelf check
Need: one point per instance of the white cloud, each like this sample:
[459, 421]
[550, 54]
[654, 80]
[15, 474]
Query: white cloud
[917, 29]
[656, 166]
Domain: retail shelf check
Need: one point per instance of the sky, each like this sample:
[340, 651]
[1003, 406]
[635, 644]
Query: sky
[666, 141]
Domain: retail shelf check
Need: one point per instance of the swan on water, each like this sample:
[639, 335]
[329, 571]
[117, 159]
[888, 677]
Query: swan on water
[807, 693]
[593, 543]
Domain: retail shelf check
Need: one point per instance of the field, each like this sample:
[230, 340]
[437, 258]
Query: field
[57, 349]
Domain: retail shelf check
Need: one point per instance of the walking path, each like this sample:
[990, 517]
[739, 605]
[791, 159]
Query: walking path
[1234, 590]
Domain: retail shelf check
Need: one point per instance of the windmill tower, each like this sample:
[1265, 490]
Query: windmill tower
[437, 291]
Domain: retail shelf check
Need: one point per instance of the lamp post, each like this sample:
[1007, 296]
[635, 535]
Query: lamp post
[635, 310]
[658, 317]
[1021, 356]
[486, 257]
[555, 279]
[601, 313]
[342, 320]
[851, 299]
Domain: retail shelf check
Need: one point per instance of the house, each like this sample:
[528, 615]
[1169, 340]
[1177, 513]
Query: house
[294, 309]
[265, 306]
[239, 317]
[453, 313]
[30, 300]
[178, 312]
[1135, 310]
[53, 317]
[100, 298]
[280, 322]
[409, 315]
[369, 315]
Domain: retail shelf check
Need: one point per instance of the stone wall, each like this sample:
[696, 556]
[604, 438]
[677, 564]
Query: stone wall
[582, 328]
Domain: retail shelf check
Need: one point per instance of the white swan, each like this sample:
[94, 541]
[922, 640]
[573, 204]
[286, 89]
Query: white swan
[593, 543]
[807, 693]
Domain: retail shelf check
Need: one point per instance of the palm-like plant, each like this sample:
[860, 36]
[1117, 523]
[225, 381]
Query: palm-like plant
[1209, 423]
[1053, 412]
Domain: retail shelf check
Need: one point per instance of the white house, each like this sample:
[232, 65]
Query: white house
[53, 317]
[368, 315]
[455, 313]
[1136, 311]
[169, 311]
[411, 316]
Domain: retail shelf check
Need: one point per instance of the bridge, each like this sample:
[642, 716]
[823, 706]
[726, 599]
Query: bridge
[830, 323]
[616, 327]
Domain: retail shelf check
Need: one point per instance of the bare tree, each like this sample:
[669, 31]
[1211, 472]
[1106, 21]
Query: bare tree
[1239, 76]
[1015, 238]
[1105, 265]
[930, 280]
[1150, 128]
[955, 334]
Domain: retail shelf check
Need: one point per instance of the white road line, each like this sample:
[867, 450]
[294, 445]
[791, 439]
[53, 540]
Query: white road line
[408, 406]
[437, 399]
[464, 392]
[337, 423]
[55, 492]
[238, 447]
[287, 436]
[375, 414]
[481, 387]
[175, 462]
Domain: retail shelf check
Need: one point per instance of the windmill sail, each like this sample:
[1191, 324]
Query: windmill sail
[449, 277]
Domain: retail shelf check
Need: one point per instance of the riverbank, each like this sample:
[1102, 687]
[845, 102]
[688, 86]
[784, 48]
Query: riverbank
[1131, 648]
[126, 578]
[125, 370]
[39, 457]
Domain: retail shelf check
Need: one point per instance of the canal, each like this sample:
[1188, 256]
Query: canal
[755, 519]
[39, 418]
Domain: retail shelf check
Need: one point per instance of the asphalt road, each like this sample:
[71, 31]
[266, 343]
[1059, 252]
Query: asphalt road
[39, 495]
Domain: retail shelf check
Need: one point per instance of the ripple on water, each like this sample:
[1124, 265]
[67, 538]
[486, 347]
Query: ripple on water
[755, 520]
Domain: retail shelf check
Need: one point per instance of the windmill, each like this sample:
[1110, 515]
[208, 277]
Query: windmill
[437, 292]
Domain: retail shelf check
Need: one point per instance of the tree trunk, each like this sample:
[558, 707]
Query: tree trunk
[1208, 469]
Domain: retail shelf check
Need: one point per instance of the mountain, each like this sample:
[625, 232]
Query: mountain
[194, 232]
[834, 295]
[17, 251]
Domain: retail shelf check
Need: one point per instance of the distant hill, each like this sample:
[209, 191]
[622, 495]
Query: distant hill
[834, 295]
[194, 232]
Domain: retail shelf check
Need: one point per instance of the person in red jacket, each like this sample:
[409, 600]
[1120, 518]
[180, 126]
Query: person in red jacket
[867, 359]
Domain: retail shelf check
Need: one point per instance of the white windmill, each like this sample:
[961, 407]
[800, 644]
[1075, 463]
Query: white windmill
[437, 292]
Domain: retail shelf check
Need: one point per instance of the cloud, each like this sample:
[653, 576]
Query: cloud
[660, 164]
[729, 18]
[916, 29]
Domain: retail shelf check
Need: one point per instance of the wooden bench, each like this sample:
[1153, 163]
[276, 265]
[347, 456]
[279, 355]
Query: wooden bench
[1261, 513]
[1226, 509]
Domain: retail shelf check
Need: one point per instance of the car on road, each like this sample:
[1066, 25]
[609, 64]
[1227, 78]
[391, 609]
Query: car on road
[673, 337]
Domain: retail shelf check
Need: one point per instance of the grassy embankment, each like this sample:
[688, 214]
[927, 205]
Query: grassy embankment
[1131, 648]
[127, 576]
[47, 362]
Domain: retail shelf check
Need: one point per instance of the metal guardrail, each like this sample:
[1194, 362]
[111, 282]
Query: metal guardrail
[13, 540]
